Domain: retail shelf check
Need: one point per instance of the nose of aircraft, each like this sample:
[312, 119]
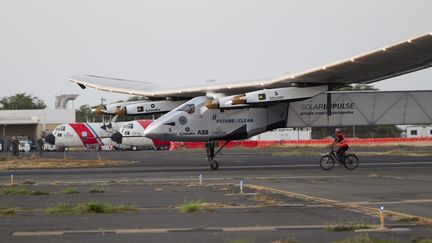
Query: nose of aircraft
[152, 131]
[117, 137]
[50, 139]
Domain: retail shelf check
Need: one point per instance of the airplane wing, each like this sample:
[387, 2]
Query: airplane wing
[387, 62]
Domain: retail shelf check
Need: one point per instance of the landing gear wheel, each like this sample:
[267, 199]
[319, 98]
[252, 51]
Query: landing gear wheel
[214, 165]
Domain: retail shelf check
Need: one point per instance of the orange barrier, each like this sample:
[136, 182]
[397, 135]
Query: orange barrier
[312, 142]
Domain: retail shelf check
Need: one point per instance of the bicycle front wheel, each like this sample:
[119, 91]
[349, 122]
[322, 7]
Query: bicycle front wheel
[351, 162]
[327, 162]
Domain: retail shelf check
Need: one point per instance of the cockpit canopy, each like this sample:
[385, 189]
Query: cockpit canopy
[60, 128]
[189, 108]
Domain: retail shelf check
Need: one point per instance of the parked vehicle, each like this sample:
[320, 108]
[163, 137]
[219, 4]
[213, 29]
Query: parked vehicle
[24, 146]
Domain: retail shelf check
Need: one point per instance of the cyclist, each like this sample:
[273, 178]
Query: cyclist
[341, 141]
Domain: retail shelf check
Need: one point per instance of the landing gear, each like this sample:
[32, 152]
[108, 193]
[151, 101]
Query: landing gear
[214, 165]
[210, 147]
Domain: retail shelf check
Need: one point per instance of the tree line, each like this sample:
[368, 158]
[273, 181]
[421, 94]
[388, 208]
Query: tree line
[21, 101]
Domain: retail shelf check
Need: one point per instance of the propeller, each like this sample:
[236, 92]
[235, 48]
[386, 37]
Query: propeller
[99, 110]
[121, 110]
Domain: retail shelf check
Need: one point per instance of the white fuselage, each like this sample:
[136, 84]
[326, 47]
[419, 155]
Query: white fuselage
[84, 134]
[193, 121]
[133, 135]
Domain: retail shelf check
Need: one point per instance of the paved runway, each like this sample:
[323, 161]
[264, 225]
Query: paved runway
[284, 198]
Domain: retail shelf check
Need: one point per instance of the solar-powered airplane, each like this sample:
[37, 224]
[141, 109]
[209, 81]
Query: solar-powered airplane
[239, 110]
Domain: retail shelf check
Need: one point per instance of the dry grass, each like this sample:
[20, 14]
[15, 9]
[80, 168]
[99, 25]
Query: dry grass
[240, 241]
[69, 190]
[421, 239]
[22, 192]
[90, 207]
[398, 152]
[363, 238]
[266, 199]
[42, 163]
[7, 211]
[409, 220]
[297, 153]
[346, 226]
[97, 190]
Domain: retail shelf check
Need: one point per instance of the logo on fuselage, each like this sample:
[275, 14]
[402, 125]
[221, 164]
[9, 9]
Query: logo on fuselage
[203, 132]
[232, 120]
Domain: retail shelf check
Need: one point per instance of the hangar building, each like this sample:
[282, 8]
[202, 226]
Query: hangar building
[33, 123]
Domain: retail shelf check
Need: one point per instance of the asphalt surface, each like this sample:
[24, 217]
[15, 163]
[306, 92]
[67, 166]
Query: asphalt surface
[284, 198]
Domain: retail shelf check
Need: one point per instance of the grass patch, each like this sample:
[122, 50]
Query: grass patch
[89, 207]
[69, 190]
[190, 207]
[266, 199]
[7, 212]
[4, 158]
[22, 192]
[398, 152]
[421, 239]
[96, 191]
[39, 193]
[29, 183]
[286, 241]
[15, 192]
[35, 162]
[409, 220]
[346, 226]
[240, 241]
[297, 153]
[364, 238]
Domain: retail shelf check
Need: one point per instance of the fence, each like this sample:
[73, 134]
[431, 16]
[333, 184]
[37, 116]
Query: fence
[312, 142]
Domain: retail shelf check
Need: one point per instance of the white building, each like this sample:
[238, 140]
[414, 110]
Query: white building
[285, 134]
[32, 123]
[418, 131]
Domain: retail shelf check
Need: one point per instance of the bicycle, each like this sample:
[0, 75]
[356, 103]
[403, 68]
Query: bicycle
[350, 161]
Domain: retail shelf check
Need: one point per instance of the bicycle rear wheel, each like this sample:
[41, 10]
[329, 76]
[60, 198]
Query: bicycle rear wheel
[327, 162]
[351, 162]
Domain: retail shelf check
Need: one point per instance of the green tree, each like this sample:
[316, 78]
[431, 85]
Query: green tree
[84, 113]
[135, 98]
[22, 101]
[358, 87]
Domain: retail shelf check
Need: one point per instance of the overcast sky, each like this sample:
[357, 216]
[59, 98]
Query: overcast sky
[44, 42]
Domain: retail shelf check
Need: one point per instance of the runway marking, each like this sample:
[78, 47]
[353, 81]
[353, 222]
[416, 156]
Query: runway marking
[194, 179]
[162, 169]
[184, 229]
[189, 179]
[336, 203]
[242, 194]
[390, 202]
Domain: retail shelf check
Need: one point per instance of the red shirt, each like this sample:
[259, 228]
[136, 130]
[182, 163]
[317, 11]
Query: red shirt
[341, 140]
